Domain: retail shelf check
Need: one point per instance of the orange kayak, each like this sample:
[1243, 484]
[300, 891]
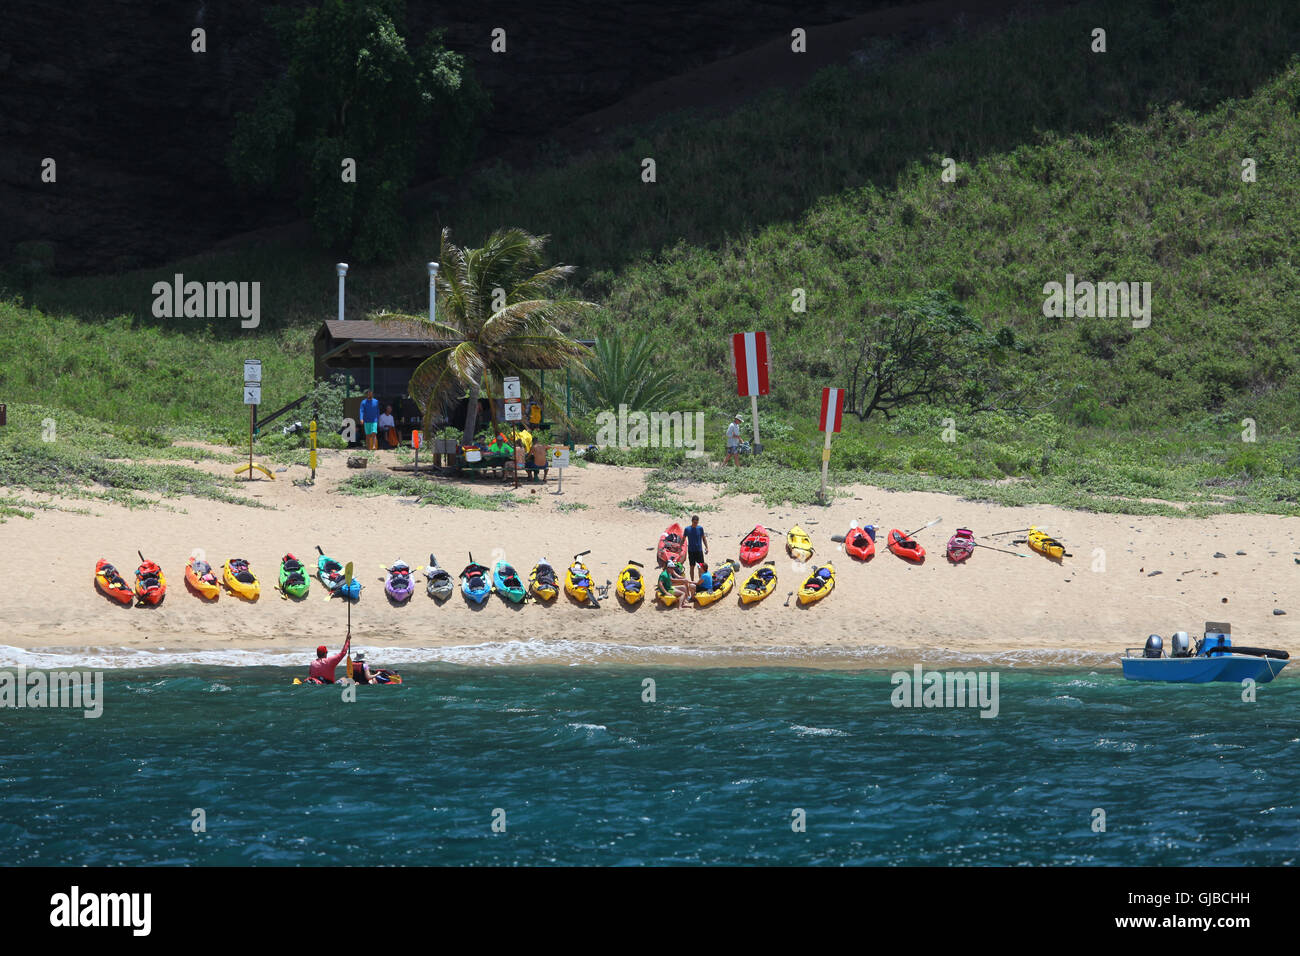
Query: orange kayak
[111, 583]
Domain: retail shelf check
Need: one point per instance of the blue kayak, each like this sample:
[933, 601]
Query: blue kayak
[474, 583]
[330, 573]
[507, 583]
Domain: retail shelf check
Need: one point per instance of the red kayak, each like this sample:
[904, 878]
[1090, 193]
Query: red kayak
[150, 583]
[753, 548]
[672, 546]
[905, 547]
[961, 545]
[859, 543]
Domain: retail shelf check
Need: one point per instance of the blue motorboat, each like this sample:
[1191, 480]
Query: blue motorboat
[1215, 658]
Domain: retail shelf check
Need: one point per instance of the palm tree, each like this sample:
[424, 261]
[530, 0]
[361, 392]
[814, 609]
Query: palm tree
[629, 371]
[520, 336]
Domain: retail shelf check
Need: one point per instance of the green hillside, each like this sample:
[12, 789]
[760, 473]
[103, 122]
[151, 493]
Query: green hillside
[1123, 167]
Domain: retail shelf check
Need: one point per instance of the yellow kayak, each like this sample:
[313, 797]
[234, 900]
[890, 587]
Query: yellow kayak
[577, 582]
[240, 579]
[817, 586]
[667, 600]
[798, 544]
[1046, 545]
[544, 590]
[759, 584]
[631, 583]
[723, 580]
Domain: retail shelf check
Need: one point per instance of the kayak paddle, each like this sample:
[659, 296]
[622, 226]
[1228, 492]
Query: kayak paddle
[930, 524]
[347, 585]
[1016, 531]
[1002, 550]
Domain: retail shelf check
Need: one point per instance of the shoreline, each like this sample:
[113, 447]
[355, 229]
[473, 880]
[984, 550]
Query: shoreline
[1131, 576]
[547, 655]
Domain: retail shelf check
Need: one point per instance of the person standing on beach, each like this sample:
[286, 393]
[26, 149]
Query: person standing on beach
[697, 544]
[370, 420]
[325, 664]
[733, 442]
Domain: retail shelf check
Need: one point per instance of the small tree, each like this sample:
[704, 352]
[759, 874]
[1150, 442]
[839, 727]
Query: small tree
[926, 349]
[354, 91]
[629, 370]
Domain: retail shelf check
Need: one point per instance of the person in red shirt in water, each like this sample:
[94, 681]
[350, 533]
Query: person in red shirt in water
[324, 665]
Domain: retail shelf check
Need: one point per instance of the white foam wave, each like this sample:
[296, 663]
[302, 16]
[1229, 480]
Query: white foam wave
[493, 653]
[803, 731]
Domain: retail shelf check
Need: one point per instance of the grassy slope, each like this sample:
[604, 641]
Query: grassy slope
[836, 190]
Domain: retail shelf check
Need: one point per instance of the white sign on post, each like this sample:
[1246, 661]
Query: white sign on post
[252, 371]
[510, 388]
[252, 394]
[559, 457]
[514, 411]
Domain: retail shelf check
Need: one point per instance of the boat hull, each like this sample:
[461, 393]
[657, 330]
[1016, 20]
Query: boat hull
[1229, 668]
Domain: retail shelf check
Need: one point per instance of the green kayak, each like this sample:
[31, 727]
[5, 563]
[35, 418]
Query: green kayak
[293, 577]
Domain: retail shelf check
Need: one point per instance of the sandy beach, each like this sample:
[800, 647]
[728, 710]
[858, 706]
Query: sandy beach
[996, 608]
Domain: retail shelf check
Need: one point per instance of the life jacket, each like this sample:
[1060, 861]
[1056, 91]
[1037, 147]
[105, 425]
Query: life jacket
[545, 574]
[148, 575]
[240, 568]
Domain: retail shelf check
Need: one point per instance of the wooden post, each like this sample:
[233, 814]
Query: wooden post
[826, 460]
[753, 406]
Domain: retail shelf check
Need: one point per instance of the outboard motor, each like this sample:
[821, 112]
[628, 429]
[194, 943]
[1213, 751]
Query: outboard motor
[1155, 646]
[1180, 645]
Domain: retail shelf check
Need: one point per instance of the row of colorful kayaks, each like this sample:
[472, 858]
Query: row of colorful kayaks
[477, 581]
[859, 543]
[237, 578]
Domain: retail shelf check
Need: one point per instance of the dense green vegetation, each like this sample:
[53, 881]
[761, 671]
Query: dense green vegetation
[58, 452]
[1123, 166]
[355, 92]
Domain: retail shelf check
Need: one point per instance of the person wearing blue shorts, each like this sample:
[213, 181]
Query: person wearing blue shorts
[370, 420]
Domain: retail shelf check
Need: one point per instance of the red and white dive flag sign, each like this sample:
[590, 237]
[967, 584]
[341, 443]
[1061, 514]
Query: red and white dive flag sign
[832, 409]
[749, 351]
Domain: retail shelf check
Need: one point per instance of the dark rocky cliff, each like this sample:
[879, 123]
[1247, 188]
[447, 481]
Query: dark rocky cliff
[139, 124]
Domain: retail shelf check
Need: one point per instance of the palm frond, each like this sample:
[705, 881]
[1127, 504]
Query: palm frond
[432, 383]
[418, 323]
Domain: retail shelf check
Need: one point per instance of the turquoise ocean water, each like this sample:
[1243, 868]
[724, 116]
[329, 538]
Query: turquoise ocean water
[587, 772]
